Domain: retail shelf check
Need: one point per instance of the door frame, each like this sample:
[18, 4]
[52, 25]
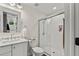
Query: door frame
[69, 29]
[69, 48]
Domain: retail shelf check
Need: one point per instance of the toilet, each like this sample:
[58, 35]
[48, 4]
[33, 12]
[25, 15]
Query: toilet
[37, 51]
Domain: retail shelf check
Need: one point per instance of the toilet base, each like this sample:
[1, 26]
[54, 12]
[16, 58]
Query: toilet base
[43, 54]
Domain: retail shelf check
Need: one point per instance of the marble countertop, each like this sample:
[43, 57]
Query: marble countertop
[9, 42]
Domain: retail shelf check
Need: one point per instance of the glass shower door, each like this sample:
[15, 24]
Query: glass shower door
[51, 35]
[56, 34]
[45, 36]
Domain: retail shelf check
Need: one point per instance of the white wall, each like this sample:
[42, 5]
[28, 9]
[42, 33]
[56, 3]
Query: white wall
[30, 19]
[69, 29]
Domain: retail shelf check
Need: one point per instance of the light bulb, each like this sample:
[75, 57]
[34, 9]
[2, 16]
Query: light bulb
[19, 6]
[54, 8]
[12, 4]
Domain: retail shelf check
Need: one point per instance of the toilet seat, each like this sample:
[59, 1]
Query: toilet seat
[38, 50]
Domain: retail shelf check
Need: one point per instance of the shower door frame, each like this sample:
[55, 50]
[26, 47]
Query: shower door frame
[46, 18]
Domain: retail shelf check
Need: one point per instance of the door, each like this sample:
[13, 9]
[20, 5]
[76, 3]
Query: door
[5, 50]
[45, 36]
[56, 32]
[19, 49]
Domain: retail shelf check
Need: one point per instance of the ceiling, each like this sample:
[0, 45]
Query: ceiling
[46, 8]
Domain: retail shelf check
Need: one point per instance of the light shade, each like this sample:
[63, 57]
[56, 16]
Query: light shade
[19, 6]
[12, 4]
[54, 8]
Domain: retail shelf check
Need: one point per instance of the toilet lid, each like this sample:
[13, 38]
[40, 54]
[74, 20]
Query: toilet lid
[38, 50]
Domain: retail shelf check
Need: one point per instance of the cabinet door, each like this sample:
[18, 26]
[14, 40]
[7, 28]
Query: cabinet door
[19, 49]
[5, 50]
[25, 48]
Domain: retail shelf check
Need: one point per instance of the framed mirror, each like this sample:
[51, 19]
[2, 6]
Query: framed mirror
[9, 22]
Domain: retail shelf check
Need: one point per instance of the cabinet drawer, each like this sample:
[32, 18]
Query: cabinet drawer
[5, 49]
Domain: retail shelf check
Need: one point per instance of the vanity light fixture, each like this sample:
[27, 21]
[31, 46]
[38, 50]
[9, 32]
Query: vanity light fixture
[36, 4]
[54, 8]
[12, 4]
[19, 5]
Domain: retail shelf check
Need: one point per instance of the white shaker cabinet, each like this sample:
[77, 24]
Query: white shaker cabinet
[5, 50]
[19, 49]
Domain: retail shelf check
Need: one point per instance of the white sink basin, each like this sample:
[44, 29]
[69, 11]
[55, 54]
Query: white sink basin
[8, 41]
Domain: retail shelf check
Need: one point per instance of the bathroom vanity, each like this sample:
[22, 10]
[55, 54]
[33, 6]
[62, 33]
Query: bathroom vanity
[13, 46]
[11, 42]
[14, 49]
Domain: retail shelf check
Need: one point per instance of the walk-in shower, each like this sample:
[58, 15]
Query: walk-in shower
[51, 34]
